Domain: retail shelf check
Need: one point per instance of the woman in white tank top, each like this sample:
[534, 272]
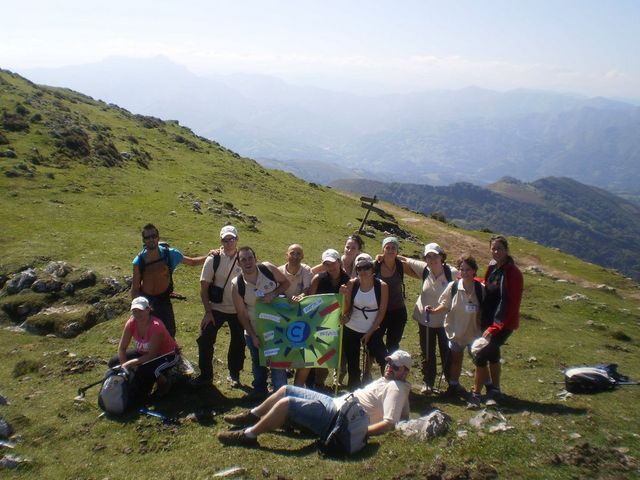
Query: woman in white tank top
[366, 301]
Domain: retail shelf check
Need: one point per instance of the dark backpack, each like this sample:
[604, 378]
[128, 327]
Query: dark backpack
[242, 285]
[399, 268]
[116, 394]
[593, 379]
[349, 431]
[165, 256]
[477, 287]
[447, 273]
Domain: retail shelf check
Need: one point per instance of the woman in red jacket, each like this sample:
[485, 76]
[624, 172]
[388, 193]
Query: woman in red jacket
[500, 317]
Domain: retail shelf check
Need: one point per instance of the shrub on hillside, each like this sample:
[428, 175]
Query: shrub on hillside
[14, 122]
[106, 151]
[3, 140]
[73, 141]
[439, 216]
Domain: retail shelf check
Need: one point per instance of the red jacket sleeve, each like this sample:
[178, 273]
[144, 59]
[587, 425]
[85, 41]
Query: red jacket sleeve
[507, 315]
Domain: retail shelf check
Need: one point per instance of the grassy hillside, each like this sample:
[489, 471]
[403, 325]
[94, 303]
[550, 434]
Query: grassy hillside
[79, 200]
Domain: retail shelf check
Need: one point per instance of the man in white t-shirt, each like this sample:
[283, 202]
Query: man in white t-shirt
[218, 271]
[386, 401]
[298, 273]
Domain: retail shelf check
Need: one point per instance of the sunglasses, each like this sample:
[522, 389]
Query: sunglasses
[364, 268]
[395, 368]
[229, 240]
[150, 237]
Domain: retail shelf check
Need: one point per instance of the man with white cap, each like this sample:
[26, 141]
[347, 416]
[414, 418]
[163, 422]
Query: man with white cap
[386, 401]
[215, 292]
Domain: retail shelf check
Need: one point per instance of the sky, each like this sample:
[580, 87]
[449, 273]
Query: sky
[581, 46]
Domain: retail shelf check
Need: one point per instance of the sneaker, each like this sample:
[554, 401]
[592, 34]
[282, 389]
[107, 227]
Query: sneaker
[426, 389]
[473, 402]
[241, 419]
[234, 380]
[493, 397]
[237, 437]
[201, 381]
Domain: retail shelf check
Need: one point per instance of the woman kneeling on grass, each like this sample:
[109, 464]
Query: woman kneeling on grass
[500, 317]
[154, 352]
[462, 300]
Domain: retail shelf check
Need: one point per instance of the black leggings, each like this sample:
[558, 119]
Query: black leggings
[145, 375]
[207, 340]
[351, 344]
[393, 326]
[428, 339]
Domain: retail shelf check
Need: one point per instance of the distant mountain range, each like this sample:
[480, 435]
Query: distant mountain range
[432, 137]
[585, 221]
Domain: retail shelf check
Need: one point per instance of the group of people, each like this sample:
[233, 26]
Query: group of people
[453, 310]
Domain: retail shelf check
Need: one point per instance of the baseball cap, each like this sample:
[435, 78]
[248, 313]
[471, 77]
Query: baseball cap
[330, 255]
[433, 248]
[363, 259]
[228, 230]
[139, 303]
[400, 358]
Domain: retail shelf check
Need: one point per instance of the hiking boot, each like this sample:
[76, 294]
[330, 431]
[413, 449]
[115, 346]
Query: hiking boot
[201, 381]
[241, 419]
[255, 397]
[454, 391]
[494, 396]
[474, 402]
[234, 380]
[237, 437]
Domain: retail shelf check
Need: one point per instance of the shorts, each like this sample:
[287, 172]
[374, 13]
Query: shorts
[457, 348]
[310, 409]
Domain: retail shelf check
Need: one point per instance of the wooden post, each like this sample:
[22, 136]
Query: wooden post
[369, 206]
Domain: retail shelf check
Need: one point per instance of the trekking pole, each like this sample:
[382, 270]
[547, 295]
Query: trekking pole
[81, 391]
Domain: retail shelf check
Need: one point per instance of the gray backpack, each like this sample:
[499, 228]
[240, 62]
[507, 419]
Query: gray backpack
[349, 433]
[115, 396]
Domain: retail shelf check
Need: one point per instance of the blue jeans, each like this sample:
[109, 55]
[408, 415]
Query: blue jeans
[260, 374]
[310, 409]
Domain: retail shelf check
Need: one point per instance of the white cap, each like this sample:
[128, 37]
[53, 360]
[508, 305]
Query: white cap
[433, 248]
[478, 344]
[330, 255]
[363, 259]
[228, 230]
[400, 358]
[140, 303]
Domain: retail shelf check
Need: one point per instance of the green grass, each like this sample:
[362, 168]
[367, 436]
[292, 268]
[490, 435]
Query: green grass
[91, 215]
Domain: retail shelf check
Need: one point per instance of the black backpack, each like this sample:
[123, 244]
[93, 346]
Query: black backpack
[377, 288]
[165, 256]
[242, 285]
[593, 379]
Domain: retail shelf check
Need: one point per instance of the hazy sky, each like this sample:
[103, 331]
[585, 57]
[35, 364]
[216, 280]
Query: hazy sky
[583, 46]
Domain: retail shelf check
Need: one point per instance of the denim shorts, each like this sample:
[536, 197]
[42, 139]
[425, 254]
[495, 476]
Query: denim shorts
[309, 409]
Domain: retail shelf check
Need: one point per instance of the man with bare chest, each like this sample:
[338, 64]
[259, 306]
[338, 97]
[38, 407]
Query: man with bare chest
[152, 274]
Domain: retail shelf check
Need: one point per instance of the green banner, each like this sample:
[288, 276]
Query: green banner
[296, 335]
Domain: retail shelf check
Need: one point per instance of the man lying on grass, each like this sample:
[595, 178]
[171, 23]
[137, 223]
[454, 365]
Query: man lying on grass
[386, 401]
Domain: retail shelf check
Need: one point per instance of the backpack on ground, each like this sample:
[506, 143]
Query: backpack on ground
[593, 379]
[348, 433]
[242, 285]
[116, 394]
